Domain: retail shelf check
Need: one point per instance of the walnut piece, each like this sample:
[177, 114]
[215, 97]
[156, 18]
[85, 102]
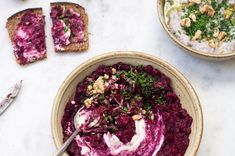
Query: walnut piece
[195, 1]
[88, 103]
[185, 22]
[114, 71]
[227, 14]
[210, 11]
[207, 9]
[106, 76]
[197, 35]
[89, 88]
[193, 17]
[212, 43]
[136, 117]
[99, 85]
[216, 33]
[203, 8]
[222, 35]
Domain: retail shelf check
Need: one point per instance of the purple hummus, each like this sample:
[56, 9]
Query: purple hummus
[29, 38]
[68, 27]
[126, 110]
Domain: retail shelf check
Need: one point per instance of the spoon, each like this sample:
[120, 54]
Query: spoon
[62, 149]
[91, 124]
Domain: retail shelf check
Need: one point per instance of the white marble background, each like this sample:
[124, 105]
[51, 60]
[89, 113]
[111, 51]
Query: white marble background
[115, 25]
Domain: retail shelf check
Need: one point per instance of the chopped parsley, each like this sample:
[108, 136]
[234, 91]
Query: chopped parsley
[124, 109]
[127, 94]
[209, 24]
[66, 29]
[147, 107]
[143, 79]
[160, 100]
[101, 97]
[200, 24]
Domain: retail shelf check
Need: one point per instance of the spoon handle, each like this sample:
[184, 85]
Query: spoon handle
[61, 150]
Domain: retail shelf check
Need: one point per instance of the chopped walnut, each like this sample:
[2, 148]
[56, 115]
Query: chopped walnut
[89, 88]
[99, 91]
[227, 14]
[98, 86]
[207, 9]
[114, 71]
[210, 11]
[185, 22]
[197, 35]
[193, 17]
[203, 8]
[195, 1]
[216, 33]
[106, 76]
[212, 43]
[114, 77]
[221, 35]
[88, 103]
[136, 117]
[144, 111]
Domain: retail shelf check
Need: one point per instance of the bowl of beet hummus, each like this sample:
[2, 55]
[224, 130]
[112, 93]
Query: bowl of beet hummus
[127, 104]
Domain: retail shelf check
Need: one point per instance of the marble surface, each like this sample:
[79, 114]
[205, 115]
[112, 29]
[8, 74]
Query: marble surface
[114, 25]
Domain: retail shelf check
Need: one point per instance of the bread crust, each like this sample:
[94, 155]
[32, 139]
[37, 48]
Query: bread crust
[75, 47]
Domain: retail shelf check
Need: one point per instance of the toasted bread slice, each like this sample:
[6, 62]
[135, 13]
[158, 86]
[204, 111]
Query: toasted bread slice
[81, 46]
[12, 24]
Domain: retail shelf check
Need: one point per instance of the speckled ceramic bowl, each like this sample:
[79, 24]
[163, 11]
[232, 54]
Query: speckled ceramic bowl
[181, 87]
[210, 56]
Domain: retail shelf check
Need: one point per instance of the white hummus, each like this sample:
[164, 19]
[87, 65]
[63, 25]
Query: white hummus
[173, 17]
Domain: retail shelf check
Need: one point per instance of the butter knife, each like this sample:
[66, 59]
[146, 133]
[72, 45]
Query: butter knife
[9, 96]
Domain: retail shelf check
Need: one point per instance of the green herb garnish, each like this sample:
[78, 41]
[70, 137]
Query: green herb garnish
[66, 29]
[113, 129]
[101, 97]
[124, 109]
[143, 79]
[146, 82]
[160, 100]
[147, 107]
[209, 24]
[127, 94]
[108, 118]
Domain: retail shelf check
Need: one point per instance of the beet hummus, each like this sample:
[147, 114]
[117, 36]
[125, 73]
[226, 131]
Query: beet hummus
[29, 38]
[68, 27]
[126, 110]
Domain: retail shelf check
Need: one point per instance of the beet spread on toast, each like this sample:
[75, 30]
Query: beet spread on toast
[27, 34]
[69, 30]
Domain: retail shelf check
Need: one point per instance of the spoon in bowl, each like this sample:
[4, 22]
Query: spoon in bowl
[86, 129]
[62, 149]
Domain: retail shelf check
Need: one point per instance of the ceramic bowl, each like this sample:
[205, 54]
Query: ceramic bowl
[201, 54]
[180, 85]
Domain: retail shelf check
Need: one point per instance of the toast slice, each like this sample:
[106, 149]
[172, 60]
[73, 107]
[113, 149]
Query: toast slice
[27, 34]
[76, 39]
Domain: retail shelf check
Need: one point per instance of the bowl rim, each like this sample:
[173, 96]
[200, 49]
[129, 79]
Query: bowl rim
[90, 61]
[223, 56]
